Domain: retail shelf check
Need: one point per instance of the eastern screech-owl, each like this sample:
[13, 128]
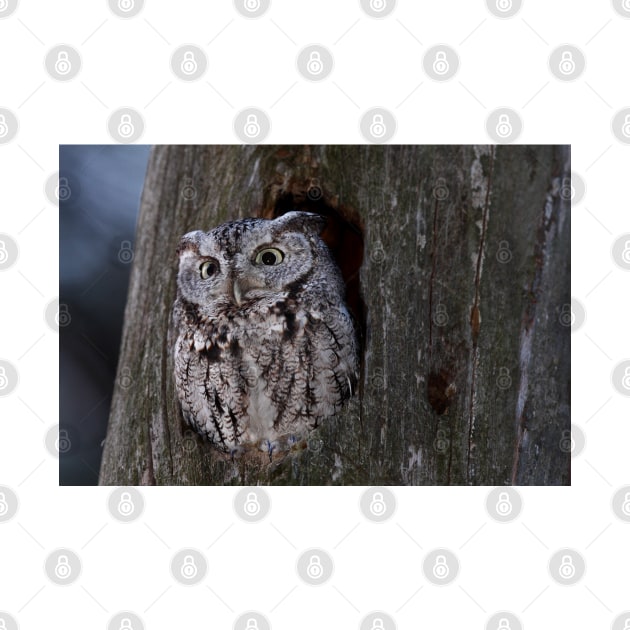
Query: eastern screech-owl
[266, 348]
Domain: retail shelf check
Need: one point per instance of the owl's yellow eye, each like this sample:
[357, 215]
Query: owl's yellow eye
[207, 269]
[270, 256]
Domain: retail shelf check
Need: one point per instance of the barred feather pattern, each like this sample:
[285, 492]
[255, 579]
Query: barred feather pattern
[264, 352]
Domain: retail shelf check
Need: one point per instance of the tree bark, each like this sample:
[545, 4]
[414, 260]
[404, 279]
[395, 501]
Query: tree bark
[465, 286]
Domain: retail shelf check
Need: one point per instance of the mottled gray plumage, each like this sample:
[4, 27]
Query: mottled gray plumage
[266, 349]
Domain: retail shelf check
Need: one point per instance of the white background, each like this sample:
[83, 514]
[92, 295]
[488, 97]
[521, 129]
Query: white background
[252, 63]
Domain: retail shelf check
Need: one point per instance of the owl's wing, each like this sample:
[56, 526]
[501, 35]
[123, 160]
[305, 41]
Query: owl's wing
[212, 390]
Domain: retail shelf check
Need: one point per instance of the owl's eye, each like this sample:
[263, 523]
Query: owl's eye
[207, 269]
[270, 256]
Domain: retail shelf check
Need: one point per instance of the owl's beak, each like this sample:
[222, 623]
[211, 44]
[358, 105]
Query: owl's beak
[238, 293]
[241, 288]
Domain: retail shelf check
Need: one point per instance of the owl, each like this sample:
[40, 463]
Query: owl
[266, 348]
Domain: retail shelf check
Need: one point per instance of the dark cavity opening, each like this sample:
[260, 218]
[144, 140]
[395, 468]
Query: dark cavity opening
[343, 233]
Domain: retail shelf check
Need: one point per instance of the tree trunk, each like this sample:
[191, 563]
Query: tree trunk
[465, 288]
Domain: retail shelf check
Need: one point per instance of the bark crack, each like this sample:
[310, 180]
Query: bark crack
[475, 312]
[544, 235]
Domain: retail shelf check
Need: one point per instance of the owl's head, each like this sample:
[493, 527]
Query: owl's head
[250, 260]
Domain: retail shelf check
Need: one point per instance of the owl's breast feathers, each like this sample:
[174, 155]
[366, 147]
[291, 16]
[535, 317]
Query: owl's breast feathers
[255, 376]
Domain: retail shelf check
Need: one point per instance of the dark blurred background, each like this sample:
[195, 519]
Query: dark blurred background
[99, 198]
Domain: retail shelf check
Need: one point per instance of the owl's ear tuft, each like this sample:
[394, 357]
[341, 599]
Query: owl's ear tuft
[189, 242]
[307, 222]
